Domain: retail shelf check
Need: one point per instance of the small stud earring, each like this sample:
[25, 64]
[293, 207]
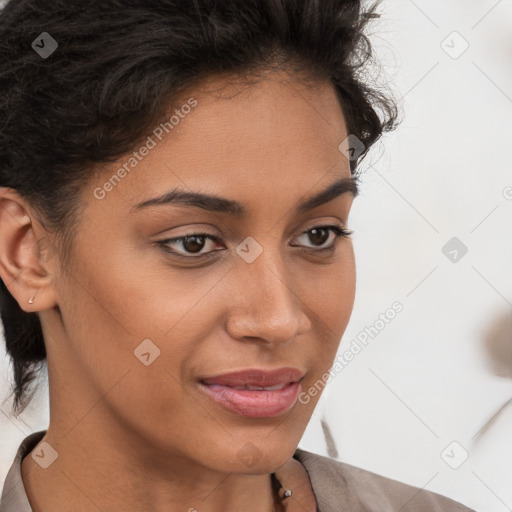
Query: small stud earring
[31, 300]
[286, 494]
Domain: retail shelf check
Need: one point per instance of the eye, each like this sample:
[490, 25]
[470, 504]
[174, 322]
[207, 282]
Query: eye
[194, 243]
[320, 234]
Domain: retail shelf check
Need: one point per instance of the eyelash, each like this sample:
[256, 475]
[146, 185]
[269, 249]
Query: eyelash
[339, 232]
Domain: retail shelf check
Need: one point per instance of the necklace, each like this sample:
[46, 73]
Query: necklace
[279, 493]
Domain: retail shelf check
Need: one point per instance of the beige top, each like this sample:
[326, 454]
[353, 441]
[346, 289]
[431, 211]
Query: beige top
[338, 487]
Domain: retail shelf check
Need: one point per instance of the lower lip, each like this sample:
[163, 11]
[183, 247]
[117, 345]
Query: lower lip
[257, 403]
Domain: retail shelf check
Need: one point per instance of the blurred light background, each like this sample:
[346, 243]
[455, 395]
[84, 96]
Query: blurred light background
[428, 399]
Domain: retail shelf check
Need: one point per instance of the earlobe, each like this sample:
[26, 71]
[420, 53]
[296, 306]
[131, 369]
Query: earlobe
[24, 266]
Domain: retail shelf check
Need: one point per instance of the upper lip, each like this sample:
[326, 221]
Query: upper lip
[256, 377]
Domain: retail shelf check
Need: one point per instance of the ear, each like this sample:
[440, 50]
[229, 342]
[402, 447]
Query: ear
[27, 254]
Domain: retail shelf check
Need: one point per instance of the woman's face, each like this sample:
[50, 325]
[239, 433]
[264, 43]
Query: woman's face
[142, 322]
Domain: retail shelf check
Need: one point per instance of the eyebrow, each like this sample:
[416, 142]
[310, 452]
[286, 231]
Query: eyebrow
[218, 204]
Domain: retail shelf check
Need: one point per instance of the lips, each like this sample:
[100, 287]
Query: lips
[256, 378]
[255, 393]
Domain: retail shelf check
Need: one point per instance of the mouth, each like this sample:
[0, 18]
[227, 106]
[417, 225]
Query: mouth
[255, 393]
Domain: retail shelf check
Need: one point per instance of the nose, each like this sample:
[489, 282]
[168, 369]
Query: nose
[266, 305]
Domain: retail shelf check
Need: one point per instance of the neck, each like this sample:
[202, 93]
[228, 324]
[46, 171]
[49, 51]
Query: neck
[95, 471]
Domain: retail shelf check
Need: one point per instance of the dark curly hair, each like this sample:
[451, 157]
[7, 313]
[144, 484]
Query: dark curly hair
[117, 65]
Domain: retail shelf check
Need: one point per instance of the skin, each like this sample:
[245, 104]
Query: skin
[136, 437]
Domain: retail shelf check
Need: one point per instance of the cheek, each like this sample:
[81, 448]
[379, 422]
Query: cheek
[332, 292]
[138, 295]
[330, 302]
[341, 298]
[110, 313]
[133, 299]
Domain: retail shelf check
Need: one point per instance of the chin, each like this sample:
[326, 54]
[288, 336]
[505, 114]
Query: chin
[255, 456]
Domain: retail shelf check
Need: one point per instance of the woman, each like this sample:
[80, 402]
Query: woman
[177, 179]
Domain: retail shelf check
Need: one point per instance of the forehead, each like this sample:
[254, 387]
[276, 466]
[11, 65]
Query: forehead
[275, 137]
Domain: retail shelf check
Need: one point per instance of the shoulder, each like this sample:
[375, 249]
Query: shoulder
[14, 497]
[342, 487]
